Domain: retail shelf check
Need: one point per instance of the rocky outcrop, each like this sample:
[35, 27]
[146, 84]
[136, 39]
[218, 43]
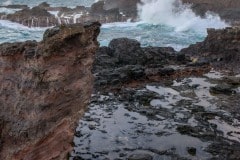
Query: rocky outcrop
[222, 3]
[126, 7]
[154, 96]
[45, 88]
[125, 62]
[35, 17]
[221, 47]
[228, 10]
[101, 11]
[107, 11]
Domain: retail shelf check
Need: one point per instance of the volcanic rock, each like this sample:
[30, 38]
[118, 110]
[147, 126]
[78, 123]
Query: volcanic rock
[35, 17]
[221, 47]
[101, 11]
[124, 61]
[45, 88]
[44, 5]
[227, 10]
[127, 8]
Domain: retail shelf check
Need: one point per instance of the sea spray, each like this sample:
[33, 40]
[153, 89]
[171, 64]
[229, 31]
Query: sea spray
[14, 32]
[8, 10]
[175, 14]
[53, 3]
[149, 34]
[169, 24]
[8, 2]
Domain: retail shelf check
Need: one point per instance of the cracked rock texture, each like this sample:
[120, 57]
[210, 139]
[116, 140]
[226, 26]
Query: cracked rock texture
[45, 88]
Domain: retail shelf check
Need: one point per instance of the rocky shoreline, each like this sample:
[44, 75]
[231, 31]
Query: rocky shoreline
[44, 15]
[156, 103]
[227, 10]
[147, 102]
[108, 11]
[193, 94]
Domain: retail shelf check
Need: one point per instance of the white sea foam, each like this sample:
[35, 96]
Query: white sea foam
[173, 13]
[8, 10]
[121, 24]
[55, 13]
[8, 2]
[17, 26]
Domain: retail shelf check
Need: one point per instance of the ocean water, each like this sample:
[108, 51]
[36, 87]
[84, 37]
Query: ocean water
[161, 23]
[31, 3]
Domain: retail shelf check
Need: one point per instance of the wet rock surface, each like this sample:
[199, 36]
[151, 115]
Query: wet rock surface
[125, 62]
[45, 88]
[181, 120]
[154, 103]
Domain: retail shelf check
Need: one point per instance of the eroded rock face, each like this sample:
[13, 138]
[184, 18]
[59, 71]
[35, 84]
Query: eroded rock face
[221, 47]
[45, 88]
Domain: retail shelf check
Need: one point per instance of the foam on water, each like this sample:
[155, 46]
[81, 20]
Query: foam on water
[14, 32]
[162, 23]
[8, 10]
[55, 3]
[8, 2]
[173, 13]
[150, 35]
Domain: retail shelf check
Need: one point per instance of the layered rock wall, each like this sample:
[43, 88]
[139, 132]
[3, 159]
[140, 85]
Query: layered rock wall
[45, 88]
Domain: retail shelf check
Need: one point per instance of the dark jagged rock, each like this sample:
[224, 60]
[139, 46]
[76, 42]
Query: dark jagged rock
[98, 7]
[40, 16]
[221, 48]
[227, 10]
[35, 17]
[124, 61]
[44, 5]
[45, 88]
[125, 49]
[126, 7]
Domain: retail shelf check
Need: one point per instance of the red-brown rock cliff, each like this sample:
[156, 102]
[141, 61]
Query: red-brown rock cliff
[44, 90]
